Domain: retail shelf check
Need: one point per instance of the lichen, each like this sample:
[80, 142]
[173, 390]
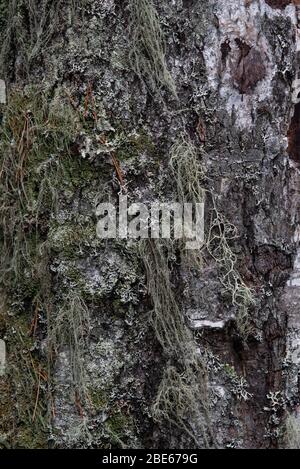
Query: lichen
[69, 329]
[37, 131]
[30, 27]
[147, 55]
[186, 382]
[118, 428]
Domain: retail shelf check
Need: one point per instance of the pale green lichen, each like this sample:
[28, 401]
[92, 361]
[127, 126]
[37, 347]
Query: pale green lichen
[188, 168]
[69, 329]
[186, 382]
[148, 49]
[221, 233]
[29, 27]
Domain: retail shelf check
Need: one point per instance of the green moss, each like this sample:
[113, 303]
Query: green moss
[133, 145]
[23, 392]
[69, 238]
[229, 370]
[28, 439]
[118, 423]
[36, 133]
[119, 428]
[49, 172]
[76, 173]
[98, 398]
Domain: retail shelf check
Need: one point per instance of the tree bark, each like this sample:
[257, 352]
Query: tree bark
[124, 343]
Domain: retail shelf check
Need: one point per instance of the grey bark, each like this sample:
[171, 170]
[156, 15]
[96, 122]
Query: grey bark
[235, 68]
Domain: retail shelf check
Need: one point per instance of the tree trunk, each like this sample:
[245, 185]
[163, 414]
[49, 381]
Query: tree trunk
[143, 343]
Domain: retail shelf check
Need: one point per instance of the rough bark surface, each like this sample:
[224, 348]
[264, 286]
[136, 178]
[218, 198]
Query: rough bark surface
[91, 106]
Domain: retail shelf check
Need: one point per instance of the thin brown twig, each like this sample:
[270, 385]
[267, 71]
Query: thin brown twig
[118, 169]
[53, 411]
[78, 405]
[116, 163]
[34, 322]
[37, 396]
[89, 99]
[23, 147]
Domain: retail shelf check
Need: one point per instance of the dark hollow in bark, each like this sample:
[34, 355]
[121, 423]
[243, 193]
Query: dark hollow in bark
[279, 3]
[250, 68]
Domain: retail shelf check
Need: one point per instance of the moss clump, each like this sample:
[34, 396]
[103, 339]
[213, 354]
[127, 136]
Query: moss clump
[118, 423]
[77, 173]
[23, 424]
[118, 428]
[35, 137]
[98, 398]
[133, 145]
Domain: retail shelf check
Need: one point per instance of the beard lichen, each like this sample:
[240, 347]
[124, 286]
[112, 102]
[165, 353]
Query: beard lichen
[190, 175]
[182, 397]
[68, 329]
[148, 48]
[28, 28]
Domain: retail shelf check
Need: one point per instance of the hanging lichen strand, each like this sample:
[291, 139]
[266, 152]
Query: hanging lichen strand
[29, 26]
[69, 328]
[221, 232]
[190, 178]
[182, 397]
[189, 174]
[148, 50]
[31, 133]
